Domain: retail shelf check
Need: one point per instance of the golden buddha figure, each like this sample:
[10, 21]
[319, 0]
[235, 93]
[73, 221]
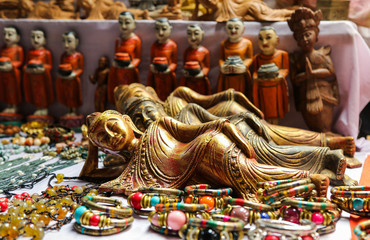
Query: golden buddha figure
[172, 154]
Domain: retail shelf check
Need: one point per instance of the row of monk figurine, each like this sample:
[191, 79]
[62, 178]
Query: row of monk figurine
[313, 75]
[37, 81]
[218, 139]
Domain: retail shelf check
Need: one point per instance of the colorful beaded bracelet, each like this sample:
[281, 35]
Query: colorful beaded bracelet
[269, 184]
[291, 192]
[181, 206]
[117, 211]
[352, 199]
[362, 229]
[164, 230]
[86, 217]
[203, 190]
[283, 186]
[194, 233]
[218, 222]
[97, 232]
[280, 229]
[174, 220]
[141, 200]
[309, 205]
[168, 191]
[212, 202]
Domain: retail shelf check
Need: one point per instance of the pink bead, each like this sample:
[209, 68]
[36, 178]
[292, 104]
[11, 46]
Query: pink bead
[241, 213]
[135, 200]
[271, 237]
[176, 219]
[307, 237]
[291, 214]
[94, 220]
[155, 219]
[317, 218]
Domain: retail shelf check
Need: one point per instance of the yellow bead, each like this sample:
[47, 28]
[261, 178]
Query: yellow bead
[60, 177]
[62, 212]
[78, 189]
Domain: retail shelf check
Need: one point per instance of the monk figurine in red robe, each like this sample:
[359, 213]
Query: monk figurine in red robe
[127, 58]
[163, 58]
[100, 78]
[270, 88]
[10, 76]
[235, 59]
[37, 82]
[68, 83]
[196, 62]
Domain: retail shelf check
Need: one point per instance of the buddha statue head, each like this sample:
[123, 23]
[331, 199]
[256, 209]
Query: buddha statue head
[112, 132]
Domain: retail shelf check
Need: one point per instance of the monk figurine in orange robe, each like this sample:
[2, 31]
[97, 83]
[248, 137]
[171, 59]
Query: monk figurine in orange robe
[270, 89]
[163, 58]
[235, 59]
[127, 58]
[10, 75]
[196, 62]
[100, 78]
[38, 85]
[68, 83]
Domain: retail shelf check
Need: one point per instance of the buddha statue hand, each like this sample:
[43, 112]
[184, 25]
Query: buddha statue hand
[233, 69]
[256, 125]
[321, 183]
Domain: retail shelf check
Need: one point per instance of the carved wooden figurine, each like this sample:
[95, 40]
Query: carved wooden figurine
[196, 62]
[235, 59]
[127, 58]
[100, 78]
[163, 58]
[38, 85]
[215, 153]
[68, 83]
[141, 105]
[10, 75]
[270, 89]
[313, 74]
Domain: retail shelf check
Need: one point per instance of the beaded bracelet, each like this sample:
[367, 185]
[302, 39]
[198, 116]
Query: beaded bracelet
[320, 213]
[141, 200]
[220, 227]
[117, 211]
[273, 187]
[352, 199]
[201, 194]
[84, 216]
[252, 213]
[97, 232]
[362, 229]
[291, 192]
[173, 216]
[280, 229]
[168, 191]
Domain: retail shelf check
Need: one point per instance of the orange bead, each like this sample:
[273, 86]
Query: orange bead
[210, 201]
[188, 200]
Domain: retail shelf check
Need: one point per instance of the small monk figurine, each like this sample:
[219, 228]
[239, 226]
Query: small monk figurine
[172, 154]
[100, 78]
[163, 58]
[270, 92]
[313, 75]
[235, 59]
[196, 62]
[127, 58]
[68, 83]
[10, 75]
[37, 81]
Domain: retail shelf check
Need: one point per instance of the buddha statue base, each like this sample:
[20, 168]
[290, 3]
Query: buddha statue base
[72, 121]
[10, 117]
[37, 118]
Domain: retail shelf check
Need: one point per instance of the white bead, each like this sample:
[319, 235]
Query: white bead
[12, 180]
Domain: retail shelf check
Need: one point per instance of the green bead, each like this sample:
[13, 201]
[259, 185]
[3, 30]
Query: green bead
[358, 204]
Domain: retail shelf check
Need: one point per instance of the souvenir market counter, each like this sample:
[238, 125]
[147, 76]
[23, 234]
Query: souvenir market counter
[350, 56]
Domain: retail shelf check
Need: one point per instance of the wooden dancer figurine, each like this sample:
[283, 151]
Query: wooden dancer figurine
[10, 75]
[196, 62]
[127, 58]
[270, 89]
[68, 83]
[163, 58]
[235, 60]
[100, 78]
[38, 86]
[313, 75]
